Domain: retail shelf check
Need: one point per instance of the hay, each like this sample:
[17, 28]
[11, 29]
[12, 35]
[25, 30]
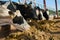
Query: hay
[38, 31]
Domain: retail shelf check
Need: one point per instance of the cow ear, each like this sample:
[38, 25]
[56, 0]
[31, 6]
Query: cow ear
[6, 4]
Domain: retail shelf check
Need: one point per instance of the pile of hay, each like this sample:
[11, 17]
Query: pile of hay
[39, 31]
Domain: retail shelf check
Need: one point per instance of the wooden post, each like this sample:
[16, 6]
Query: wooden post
[44, 1]
[56, 8]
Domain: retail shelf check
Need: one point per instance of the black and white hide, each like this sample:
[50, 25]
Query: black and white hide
[9, 5]
[41, 14]
[38, 14]
[46, 14]
[26, 10]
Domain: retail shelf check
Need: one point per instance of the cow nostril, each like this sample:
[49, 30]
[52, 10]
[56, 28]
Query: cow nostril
[18, 20]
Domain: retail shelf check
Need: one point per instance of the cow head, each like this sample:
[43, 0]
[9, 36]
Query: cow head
[17, 17]
[20, 22]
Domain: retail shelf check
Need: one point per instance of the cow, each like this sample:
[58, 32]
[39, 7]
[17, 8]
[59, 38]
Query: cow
[33, 13]
[41, 13]
[17, 19]
[27, 11]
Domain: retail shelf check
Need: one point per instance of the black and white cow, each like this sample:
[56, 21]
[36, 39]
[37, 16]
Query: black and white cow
[18, 19]
[27, 11]
[41, 14]
[33, 13]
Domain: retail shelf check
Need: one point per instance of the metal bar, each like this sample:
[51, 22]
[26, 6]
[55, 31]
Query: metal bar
[44, 2]
[56, 8]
